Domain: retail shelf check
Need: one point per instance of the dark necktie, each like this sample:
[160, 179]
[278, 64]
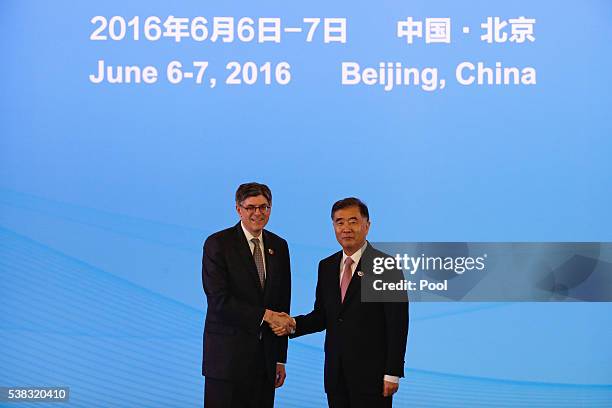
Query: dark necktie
[259, 261]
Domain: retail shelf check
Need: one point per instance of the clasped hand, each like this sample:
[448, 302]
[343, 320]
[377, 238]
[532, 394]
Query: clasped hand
[281, 323]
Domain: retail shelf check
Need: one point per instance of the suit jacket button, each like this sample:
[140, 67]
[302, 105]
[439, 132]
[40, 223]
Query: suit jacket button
[340, 320]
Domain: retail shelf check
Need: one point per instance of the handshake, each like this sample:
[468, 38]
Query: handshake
[281, 323]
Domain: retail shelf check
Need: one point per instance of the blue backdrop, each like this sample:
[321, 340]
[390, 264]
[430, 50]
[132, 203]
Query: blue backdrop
[108, 191]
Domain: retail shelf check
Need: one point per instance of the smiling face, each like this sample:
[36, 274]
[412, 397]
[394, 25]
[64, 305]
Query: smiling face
[351, 228]
[254, 213]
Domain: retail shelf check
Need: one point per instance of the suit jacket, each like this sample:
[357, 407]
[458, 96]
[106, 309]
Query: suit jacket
[236, 303]
[367, 339]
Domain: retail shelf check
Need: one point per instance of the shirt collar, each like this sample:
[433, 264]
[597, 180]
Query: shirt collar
[250, 236]
[356, 256]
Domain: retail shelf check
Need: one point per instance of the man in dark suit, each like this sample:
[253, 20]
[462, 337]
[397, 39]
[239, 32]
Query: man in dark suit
[247, 281]
[365, 342]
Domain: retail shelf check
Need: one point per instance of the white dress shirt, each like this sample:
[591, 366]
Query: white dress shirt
[356, 257]
[249, 237]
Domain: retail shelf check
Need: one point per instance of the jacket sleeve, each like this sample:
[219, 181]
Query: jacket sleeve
[396, 325]
[314, 321]
[285, 305]
[218, 292]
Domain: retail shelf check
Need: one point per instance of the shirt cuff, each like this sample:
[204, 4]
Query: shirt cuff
[391, 378]
[278, 362]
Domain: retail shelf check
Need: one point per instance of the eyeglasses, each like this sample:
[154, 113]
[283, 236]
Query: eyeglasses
[264, 208]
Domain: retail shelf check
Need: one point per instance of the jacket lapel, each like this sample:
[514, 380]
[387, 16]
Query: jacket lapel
[270, 259]
[355, 285]
[244, 252]
[334, 280]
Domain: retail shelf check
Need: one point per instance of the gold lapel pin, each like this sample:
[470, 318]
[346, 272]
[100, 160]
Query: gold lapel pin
[270, 251]
[359, 273]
